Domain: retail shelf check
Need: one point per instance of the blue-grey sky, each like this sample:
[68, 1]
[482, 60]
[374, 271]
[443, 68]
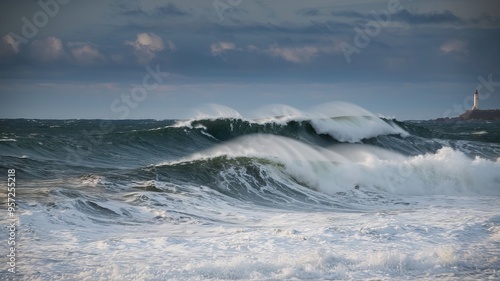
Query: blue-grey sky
[160, 59]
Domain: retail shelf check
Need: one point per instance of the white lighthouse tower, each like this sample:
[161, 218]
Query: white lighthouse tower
[476, 101]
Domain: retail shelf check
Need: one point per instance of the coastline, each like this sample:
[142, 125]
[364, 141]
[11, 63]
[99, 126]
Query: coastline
[473, 115]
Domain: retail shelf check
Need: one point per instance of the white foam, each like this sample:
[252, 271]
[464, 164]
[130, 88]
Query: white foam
[208, 135]
[341, 168]
[440, 238]
[480, 133]
[278, 113]
[196, 233]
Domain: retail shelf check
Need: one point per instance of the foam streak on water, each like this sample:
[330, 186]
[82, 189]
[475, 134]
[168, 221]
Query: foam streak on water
[435, 239]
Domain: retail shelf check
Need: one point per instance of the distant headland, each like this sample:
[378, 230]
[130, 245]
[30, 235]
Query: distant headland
[480, 114]
[475, 113]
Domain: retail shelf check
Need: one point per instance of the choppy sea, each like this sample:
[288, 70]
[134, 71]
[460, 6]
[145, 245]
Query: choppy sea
[332, 194]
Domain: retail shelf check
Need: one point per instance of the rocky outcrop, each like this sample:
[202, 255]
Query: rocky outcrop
[481, 115]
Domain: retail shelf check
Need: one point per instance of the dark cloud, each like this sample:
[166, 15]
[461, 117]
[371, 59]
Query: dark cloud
[487, 20]
[170, 10]
[131, 11]
[161, 11]
[300, 46]
[406, 16]
[350, 14]
[311, 12]
[313, 28]
[445, 17]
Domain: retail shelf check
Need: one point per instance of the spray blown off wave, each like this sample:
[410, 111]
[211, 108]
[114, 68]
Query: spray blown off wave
[340, 168]
[342, 121]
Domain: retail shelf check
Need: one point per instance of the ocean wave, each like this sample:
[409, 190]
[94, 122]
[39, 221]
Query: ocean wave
[342, 121]
[343, 168]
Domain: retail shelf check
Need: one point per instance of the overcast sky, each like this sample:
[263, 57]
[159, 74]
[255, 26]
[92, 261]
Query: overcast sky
[161, 59]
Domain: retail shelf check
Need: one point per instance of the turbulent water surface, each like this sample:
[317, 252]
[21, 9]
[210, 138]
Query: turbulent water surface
[336, 195]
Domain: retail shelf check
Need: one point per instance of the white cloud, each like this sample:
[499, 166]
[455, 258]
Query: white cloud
[171, 45]
[297, 54]
[453, 46]
[148, 41]
[252, 48]
[8, 46]
[221, 47]
[117, 58]
[294, 54]
[48, 49]
[84, 53]
[147, 45]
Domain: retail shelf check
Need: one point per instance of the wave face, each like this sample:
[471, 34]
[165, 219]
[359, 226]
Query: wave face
[285, 195]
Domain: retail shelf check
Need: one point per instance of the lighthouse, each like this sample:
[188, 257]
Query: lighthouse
[476, 101]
